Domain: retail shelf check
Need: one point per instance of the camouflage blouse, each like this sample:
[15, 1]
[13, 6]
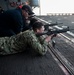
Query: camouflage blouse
[19, 43]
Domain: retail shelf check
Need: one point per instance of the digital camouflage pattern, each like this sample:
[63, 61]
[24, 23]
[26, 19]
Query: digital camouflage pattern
[19, 43]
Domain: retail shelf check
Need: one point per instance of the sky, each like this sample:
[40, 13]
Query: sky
[55, 6]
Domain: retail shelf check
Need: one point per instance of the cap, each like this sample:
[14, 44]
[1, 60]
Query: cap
[27, 8]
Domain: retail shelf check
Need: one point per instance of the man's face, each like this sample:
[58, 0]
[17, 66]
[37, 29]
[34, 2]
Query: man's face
[25, 14]
[41, 30]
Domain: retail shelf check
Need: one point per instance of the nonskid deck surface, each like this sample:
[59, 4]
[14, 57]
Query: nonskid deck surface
[29, 64]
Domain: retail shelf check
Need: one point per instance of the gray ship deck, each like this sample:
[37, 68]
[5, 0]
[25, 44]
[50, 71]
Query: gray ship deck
[29, 64]
[66, 48]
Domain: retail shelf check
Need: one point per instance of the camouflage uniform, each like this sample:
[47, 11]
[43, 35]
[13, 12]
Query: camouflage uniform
[18, 43]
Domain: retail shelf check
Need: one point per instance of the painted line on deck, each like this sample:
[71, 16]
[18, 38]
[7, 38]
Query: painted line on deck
[43, 20]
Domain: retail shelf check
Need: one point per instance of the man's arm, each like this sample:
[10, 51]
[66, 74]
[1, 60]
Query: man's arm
[37, 45]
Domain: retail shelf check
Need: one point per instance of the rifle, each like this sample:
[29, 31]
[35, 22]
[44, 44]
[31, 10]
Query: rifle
[52, 24]
[56, 31]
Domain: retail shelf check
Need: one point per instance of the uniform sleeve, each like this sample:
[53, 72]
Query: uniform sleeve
[37, 45]
[19, 22]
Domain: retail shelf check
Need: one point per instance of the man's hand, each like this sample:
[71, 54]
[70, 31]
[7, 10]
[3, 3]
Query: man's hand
[54, 35]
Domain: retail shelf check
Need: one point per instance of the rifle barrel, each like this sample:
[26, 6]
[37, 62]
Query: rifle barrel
[52, 24]
[54, 32]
